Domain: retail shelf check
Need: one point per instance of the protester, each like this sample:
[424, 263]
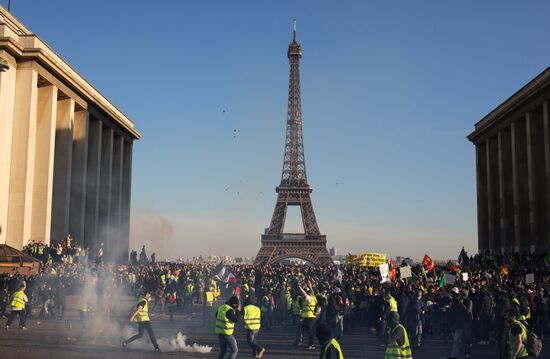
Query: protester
[226, 317]
[141, 316]
[330, 348]
[18, 302]
[252, 324]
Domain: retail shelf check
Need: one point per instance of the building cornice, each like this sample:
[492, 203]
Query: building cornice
[24, 46]
[512, 103]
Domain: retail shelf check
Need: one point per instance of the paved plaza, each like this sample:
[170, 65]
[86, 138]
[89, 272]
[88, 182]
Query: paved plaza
[68, 339]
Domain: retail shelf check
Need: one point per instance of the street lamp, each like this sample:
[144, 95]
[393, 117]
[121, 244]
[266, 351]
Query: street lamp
[4, 65]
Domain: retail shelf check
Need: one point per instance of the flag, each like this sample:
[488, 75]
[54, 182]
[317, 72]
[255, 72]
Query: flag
[452, 267]
[428, 263]
[443, 280]
[219, 270]
[392, 269]
[228, 277]
[503, 270]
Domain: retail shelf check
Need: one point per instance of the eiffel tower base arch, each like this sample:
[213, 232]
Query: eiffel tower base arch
[276, 248]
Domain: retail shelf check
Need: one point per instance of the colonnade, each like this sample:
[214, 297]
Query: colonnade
[65, 165]
[513, 182]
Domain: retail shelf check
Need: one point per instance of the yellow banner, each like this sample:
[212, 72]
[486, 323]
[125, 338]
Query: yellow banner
[368, 259]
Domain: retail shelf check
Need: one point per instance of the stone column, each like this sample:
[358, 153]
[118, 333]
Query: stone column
[530, 182]
[62, 169]
[506, 190]
[92, 183]
[126, 200]
[105, 190]
[22, 156]
[493, 193]
[501, 193]
[546, 139]
[482, 198]
[79, 170]
[7, 98]
[537, 184]
[43, 164]
[116, 195]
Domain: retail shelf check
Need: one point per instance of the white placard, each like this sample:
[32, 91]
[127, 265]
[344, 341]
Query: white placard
[405, 272]
[384, 272]
[465, 276]
[530, 278]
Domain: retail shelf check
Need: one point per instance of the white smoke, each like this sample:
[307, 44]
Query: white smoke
[177, 343]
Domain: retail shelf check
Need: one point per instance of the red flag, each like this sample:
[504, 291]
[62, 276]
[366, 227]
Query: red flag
[503, 270]
[392, 269]
[428, 262]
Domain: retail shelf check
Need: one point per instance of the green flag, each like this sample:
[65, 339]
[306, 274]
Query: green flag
[443, 280]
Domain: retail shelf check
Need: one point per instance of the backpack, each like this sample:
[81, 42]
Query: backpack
[533, 344]
[171, 298]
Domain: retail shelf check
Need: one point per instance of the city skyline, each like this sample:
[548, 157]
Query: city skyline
[396, 175]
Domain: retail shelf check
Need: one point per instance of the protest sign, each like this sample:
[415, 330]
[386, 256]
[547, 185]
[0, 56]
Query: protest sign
[384, 272]
[405, 272]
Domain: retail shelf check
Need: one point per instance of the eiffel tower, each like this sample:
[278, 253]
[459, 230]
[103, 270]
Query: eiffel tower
[294, 189]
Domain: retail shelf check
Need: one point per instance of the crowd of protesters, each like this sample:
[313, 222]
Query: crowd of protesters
[475, 309]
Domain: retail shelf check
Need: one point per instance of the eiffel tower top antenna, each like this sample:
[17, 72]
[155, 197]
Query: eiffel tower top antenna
[294, 35]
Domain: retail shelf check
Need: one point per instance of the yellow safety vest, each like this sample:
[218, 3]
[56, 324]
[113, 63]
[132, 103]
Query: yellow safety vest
[308, 310]
[393, 350]
[336, 346]
[209, 299]
[513, 341]
[252, 315]
[393, 304]
[288, 298]
[296, 306]
[18, 301]
[143, 314]
[223, 325]
[521, 316]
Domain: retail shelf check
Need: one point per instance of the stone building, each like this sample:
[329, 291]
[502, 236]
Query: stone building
[513, 172]
[65, 150]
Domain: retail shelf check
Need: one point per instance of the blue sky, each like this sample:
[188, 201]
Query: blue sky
[390, 90]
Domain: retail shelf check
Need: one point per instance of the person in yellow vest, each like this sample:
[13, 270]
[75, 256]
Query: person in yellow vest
[309, 304]
[265, 307]
[226, 317]
[330, 348]
[18, 302]
[297, 318]
[252, 315]
[208, 305]
[171, 301]
[141, 316]
[517, 335]
[188, 297]
[288, 305]
[398, 340]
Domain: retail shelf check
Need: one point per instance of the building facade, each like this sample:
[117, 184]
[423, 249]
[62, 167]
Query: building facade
[513, 172]
[65, 150]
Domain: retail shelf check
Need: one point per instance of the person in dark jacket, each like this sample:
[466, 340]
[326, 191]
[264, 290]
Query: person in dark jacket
[457, 315]
[330, 348]
[502, 307]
